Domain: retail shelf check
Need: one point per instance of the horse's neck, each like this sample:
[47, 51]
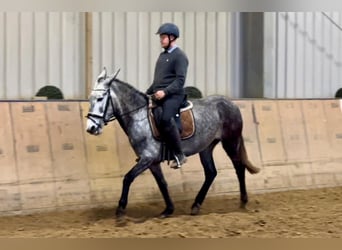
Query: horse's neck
[128, 97]
[131, 104]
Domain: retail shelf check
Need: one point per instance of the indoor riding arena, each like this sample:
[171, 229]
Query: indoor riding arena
[282, 69]
[59, 181]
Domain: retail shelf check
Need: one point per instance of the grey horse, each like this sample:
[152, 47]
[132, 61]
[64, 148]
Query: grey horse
[217, 120]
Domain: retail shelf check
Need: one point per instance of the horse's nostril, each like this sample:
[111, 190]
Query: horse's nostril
[91, 129]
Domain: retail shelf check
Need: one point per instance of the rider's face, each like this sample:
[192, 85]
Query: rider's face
[164, 40]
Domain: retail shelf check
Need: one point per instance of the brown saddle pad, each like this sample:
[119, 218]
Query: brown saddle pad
[187, 121]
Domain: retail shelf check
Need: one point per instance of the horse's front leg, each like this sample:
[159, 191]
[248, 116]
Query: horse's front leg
[140, 167]
[159, 177]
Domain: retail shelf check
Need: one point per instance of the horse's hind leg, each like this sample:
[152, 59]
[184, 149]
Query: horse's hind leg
[232, 148]
[206, 157]
[159, 177]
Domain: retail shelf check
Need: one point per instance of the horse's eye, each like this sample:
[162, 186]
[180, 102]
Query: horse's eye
[100, 99]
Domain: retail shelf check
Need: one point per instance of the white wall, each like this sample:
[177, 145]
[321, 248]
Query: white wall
[41, 48]
[303, 54]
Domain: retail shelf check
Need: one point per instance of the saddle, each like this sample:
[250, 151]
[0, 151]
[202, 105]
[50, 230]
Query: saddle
[184, 120]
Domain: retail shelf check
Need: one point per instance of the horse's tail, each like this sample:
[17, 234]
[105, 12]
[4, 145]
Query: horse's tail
[245, 161]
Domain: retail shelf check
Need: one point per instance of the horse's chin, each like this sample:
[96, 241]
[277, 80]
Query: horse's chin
[98, 131]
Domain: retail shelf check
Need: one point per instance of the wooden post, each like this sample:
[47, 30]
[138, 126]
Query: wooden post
[89, 52]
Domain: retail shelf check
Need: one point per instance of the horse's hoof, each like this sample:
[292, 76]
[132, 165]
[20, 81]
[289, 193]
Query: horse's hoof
[166, 213]
[120, 212]
[164, 216]
[244, 199]
[121, 221]
[243, 202]
[195, 209]
[243, 205]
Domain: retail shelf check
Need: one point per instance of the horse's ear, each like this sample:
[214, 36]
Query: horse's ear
[113, 77]
[103, 74]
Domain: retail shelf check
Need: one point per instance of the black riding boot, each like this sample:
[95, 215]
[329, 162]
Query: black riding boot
[172, 138]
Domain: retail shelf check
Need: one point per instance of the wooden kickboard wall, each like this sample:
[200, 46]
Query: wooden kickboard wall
[49, 162]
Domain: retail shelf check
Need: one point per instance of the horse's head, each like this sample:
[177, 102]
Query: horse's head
[100, 103]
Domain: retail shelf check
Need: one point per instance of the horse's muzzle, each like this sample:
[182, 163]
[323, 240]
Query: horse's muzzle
[93, 128]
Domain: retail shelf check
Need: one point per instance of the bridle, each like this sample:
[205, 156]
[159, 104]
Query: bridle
[91, 116]
[106, 95]
[109, 101]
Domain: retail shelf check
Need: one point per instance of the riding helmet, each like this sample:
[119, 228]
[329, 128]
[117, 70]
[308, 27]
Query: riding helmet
[168, 29]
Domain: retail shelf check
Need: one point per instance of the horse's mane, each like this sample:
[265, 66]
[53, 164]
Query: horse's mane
[134, 91]
[129, 86]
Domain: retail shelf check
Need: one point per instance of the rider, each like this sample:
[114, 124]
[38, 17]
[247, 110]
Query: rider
[167, 88]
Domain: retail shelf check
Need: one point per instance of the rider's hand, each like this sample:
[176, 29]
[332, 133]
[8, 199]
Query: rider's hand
[160, 94]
